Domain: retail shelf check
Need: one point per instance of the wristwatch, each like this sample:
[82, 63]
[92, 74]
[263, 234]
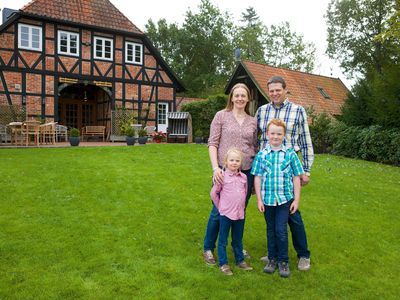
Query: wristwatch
[307, 174]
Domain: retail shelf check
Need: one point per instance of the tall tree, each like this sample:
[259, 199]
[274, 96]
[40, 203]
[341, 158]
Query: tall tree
[285, 48]
[250, 37]
[352, 29]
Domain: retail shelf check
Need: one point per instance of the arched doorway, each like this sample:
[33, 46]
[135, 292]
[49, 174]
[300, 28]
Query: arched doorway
[82, 104]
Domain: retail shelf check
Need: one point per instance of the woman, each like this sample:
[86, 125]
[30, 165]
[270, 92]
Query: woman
[231, 127]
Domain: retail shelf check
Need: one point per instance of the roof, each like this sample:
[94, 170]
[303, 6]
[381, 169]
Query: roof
[303, 88]
[178, 115]
[99, 13]
[180, 101]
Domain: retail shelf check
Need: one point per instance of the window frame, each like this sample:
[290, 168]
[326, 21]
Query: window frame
[69, 34]
[133, 44]
[30, 37]
[103, 39]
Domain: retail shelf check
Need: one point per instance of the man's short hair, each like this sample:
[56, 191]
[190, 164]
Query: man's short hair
[277, 79]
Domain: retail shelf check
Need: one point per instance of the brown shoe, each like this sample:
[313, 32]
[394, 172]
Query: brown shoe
[226, 269]
[244, 266]
[209, 257]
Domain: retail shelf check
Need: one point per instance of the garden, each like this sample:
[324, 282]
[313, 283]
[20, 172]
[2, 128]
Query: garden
[128, 223]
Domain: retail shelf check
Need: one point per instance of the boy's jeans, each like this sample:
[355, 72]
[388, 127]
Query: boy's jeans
[276, 218]
[299, 237]
[237, 227]
[213, 221]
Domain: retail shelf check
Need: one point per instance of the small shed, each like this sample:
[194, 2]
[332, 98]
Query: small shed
[179, 127]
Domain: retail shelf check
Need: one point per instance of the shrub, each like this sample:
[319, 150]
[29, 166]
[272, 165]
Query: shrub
[74, 132]
[203, 112]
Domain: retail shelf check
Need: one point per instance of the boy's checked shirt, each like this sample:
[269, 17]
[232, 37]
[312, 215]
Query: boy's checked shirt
[297, 132]
[276, 169]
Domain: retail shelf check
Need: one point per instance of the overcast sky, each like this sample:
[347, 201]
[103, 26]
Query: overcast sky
[306, 17]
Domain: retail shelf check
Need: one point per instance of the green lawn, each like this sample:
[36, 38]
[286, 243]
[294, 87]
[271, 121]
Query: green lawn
[128, 222]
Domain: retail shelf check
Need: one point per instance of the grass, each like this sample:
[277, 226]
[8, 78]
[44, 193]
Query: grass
[128, 222]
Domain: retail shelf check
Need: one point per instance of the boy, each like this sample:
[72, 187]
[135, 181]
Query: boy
[277, 171]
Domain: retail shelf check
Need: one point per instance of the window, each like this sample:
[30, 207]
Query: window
[29, 37]
[323, 93]
[68, 43]
[103, 48]
[134, 53]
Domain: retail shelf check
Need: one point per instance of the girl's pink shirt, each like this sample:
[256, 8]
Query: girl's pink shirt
[230, 197]
[226, 132]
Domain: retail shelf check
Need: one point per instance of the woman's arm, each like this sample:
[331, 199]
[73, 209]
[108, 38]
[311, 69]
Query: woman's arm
[257, 187]
[218, 175]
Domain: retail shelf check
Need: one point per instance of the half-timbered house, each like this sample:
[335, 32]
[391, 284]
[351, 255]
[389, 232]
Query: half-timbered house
[75, 62]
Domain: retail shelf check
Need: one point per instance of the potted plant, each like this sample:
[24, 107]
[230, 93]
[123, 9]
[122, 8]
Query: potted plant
[74, 137]
[198, 136]
[130, 136]
[142, 136]
[129, 133]
[158, 136]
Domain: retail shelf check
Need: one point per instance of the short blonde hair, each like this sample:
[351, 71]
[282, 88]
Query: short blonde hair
[277, 122]
[229, 104]
[233, 150]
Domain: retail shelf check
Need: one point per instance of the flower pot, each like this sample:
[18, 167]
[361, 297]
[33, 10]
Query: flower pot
[74, 140]
[142, 140]
[198, 139]
[130, 140]
[157, 141]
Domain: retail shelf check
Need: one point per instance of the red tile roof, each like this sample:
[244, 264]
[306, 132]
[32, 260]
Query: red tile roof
[302, 87]
[100, 13]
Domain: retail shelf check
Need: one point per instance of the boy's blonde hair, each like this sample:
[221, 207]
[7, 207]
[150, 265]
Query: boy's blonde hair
[277, 122]
[233, 150]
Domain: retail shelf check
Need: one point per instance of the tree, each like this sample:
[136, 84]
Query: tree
[250, 37]
[285, 48]
[353, 26]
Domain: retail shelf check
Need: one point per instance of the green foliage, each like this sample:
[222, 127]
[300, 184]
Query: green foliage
[353, 26]
[142, 132]
[74, 132]
[203, 112]
[101, 228]
[201, 50]
[319, 126]
[126, 129]
[286, 49]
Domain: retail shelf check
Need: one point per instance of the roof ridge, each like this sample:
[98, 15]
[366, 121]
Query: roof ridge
[283, 68]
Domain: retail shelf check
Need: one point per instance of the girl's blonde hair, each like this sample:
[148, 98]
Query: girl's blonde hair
[229, 104]
[233, 150]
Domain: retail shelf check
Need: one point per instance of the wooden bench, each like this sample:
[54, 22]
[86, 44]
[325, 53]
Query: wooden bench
[89, 131]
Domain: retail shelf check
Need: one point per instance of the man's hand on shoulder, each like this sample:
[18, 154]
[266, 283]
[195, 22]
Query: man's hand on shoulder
[305, 179]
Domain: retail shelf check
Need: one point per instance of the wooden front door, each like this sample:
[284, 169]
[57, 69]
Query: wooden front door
[77, 113]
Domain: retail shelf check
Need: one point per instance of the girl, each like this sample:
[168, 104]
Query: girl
[230, 200]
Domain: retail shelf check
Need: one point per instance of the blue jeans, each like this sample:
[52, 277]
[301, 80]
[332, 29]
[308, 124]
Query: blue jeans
[237, 226]
[299, 237]
[213, 221]
[276, 218]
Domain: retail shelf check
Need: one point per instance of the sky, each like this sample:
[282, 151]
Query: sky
[306, 17]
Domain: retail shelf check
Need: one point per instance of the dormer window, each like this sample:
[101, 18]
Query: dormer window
[133, 53]
[29, 37]
[68, 43]
[323, 92]
[103, 48]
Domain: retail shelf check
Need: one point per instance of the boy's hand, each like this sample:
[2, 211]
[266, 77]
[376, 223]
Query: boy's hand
[260, 206]
[294, 207]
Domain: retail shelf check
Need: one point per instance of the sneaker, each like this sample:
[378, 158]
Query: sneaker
[209, 257]
[246, 254]
[284, 270]
[226, 269]
[304, 264]
[270, 267]
[244, 266]
[264, 259]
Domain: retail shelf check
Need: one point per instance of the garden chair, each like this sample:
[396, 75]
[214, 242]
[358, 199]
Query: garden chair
[150, 130]
[61, 132]
[4, 136]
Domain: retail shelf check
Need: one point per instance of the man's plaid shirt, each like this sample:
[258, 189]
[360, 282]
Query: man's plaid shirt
[297, 132]
[276, 169]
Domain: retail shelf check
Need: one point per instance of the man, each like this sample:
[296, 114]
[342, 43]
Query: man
[297, 137]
